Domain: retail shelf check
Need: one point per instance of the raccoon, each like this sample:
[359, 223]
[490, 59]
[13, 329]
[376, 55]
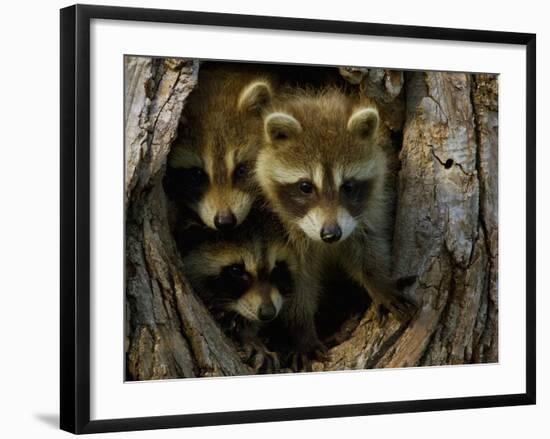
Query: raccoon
[210, 167]
[243, 277]
[324, 174]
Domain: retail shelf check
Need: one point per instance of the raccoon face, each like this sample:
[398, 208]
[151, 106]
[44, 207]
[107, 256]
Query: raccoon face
[257, 296]
[217, 182]
[321, 166]
[215, 159]
[248, 280]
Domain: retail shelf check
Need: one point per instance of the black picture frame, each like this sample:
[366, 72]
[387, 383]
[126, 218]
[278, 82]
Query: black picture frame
[75, 217]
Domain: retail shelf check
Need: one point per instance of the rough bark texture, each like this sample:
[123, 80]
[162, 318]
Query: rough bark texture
[443, 129]
[169, 333]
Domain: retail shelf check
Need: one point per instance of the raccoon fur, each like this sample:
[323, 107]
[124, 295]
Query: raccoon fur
[243, 277]
[211, 164]
[324, 175]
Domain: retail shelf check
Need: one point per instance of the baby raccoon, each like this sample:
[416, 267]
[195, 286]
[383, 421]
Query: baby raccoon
[323, 173]
[243, 278]
[210, 167]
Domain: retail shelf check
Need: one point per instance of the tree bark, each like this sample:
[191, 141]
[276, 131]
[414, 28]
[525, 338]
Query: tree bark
[169, 333]
[445, 227]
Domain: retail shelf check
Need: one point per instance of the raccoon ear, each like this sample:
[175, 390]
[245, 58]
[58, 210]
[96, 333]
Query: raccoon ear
[255, 97]
[364, 123]
[281, 126]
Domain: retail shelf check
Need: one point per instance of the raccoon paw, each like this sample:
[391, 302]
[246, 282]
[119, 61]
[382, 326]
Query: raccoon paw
[400, 306]
[261, 359]
[266, 362]
[302, 360]
[227, 321]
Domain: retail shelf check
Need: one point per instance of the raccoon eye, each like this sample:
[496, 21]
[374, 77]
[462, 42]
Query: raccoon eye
[305, 187]
[240, 171]
[197, 176]
[237, 270]
[349, 187]
[280, 276]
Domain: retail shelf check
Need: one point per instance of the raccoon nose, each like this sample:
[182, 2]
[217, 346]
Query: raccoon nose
[331, 233]
[267, 312]
[225, 221]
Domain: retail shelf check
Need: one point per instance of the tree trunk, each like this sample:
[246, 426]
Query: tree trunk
[445, 227]
[169, 333]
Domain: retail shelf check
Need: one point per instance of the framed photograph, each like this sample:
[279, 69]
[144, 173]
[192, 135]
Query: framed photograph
[268, 218]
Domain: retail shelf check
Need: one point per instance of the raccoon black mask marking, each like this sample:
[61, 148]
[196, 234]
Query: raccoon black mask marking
[211, 165]
[246, 272]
